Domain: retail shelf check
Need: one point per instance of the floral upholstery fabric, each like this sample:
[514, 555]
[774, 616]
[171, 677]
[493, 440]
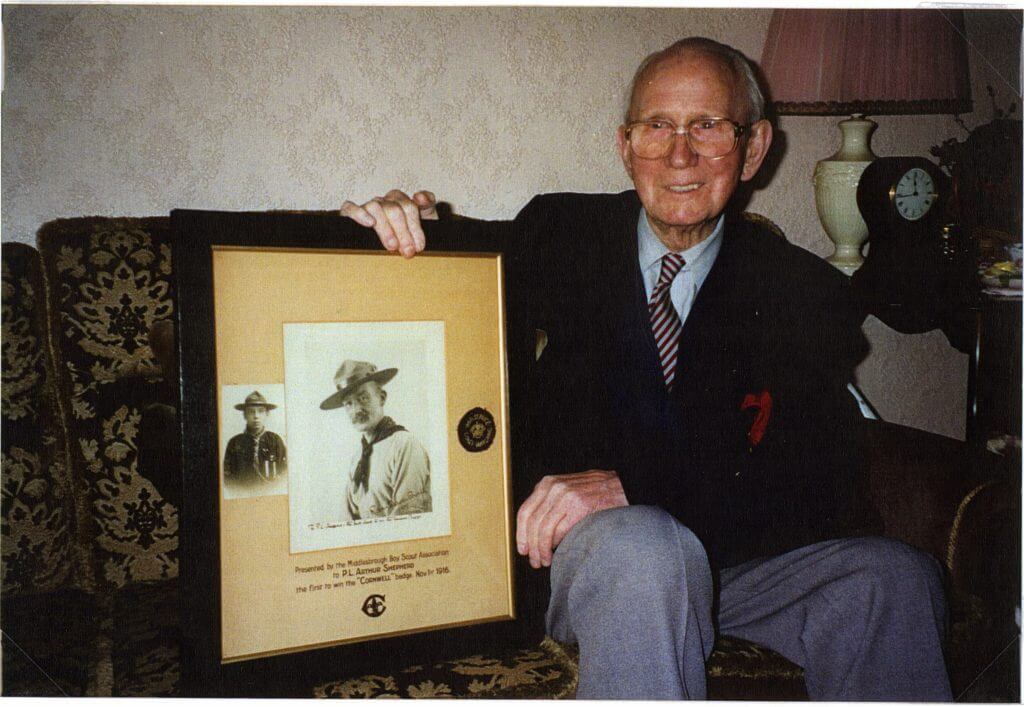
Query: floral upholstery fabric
[145, 647]
[109, 283]
[44, 534]
[42, 549]
[737, 669]
[83, 527]
[547, 671]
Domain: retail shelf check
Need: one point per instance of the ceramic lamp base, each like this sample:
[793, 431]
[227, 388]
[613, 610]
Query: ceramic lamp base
[835, 193]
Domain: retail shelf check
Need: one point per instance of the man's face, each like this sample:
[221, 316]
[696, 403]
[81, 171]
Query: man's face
[684, 193]
[365, 406]
[255, 418]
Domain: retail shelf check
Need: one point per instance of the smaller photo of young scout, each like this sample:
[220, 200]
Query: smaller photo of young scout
[254, 451]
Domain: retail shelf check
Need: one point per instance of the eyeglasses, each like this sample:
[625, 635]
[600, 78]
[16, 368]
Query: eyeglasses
[708, 137]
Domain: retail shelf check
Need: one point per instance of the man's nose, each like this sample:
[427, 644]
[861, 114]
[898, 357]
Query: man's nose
[682, 155]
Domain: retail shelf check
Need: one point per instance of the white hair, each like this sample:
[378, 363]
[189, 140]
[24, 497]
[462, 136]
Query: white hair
[740, 66]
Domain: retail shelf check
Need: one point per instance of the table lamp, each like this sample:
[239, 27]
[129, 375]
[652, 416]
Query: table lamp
[859, 62]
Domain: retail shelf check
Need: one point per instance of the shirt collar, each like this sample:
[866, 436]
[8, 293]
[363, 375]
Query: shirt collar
[699, 258]
[384, 429]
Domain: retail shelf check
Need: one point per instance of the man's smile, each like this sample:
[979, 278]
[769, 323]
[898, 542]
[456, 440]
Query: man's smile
[684, 188]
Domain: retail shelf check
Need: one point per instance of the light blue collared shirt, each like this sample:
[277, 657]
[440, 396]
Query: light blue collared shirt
[687, 283]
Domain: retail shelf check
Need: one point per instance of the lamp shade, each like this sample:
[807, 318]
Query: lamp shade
[838, 62]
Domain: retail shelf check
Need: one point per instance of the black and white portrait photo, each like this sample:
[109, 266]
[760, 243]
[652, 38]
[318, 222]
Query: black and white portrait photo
[390, 477]
[368, 452]
[253, 450]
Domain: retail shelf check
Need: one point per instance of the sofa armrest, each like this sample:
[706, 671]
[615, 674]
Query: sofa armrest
[961, 504]
[918, 481]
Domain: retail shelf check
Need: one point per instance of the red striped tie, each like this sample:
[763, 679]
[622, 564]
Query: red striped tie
[664, 319]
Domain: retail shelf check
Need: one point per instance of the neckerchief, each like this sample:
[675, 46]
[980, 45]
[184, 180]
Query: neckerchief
[256, 451]
[385, 428]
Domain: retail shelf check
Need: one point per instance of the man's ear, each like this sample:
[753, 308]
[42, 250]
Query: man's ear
[624, 152]
[756, 149]
[383, 396]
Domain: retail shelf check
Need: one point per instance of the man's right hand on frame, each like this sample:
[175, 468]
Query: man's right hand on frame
[557, 504]
[396, 218]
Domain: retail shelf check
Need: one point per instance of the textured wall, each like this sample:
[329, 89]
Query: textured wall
[113, 110]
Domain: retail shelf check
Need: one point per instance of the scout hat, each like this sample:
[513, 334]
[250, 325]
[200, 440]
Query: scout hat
[350, 376]
[254, 399]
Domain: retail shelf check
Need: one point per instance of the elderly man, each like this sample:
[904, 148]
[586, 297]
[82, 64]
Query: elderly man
[256, 456]
[391, 474]
[693, 387]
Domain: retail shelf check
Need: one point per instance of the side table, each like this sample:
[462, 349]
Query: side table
[994, 374]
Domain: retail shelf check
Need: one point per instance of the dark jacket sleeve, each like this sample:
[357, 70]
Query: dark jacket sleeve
[231, 458]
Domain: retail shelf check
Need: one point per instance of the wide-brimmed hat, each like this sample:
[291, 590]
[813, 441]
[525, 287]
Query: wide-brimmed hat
[350, 376]
[254, 399]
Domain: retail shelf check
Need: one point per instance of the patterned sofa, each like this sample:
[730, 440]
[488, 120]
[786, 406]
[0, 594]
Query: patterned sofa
[89, 541]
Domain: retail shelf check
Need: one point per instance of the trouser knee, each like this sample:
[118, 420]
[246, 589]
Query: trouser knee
[891, 566]
[631, 538]
[882, 622]
[633, 588]
[621, 559]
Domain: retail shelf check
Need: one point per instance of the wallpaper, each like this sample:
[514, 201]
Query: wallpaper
[133, 111]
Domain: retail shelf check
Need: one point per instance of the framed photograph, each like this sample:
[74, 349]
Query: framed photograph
[253, 453]
[345, 430]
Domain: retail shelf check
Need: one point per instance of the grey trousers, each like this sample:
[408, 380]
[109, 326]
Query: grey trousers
[864, 617]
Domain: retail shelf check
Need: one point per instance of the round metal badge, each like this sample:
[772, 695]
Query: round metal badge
[477, 430]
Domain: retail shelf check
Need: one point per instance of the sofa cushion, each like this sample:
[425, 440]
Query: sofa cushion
[737, 669]
[546, 671]
[145, 640]
[742, 670]
[50, 644]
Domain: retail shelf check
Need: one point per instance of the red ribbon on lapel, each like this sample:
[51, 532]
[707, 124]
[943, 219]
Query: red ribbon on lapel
[763, 402]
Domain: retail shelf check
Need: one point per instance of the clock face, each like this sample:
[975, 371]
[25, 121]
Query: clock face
[914, 194]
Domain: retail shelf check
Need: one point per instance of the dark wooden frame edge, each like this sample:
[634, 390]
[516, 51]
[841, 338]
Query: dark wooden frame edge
[294, 674]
